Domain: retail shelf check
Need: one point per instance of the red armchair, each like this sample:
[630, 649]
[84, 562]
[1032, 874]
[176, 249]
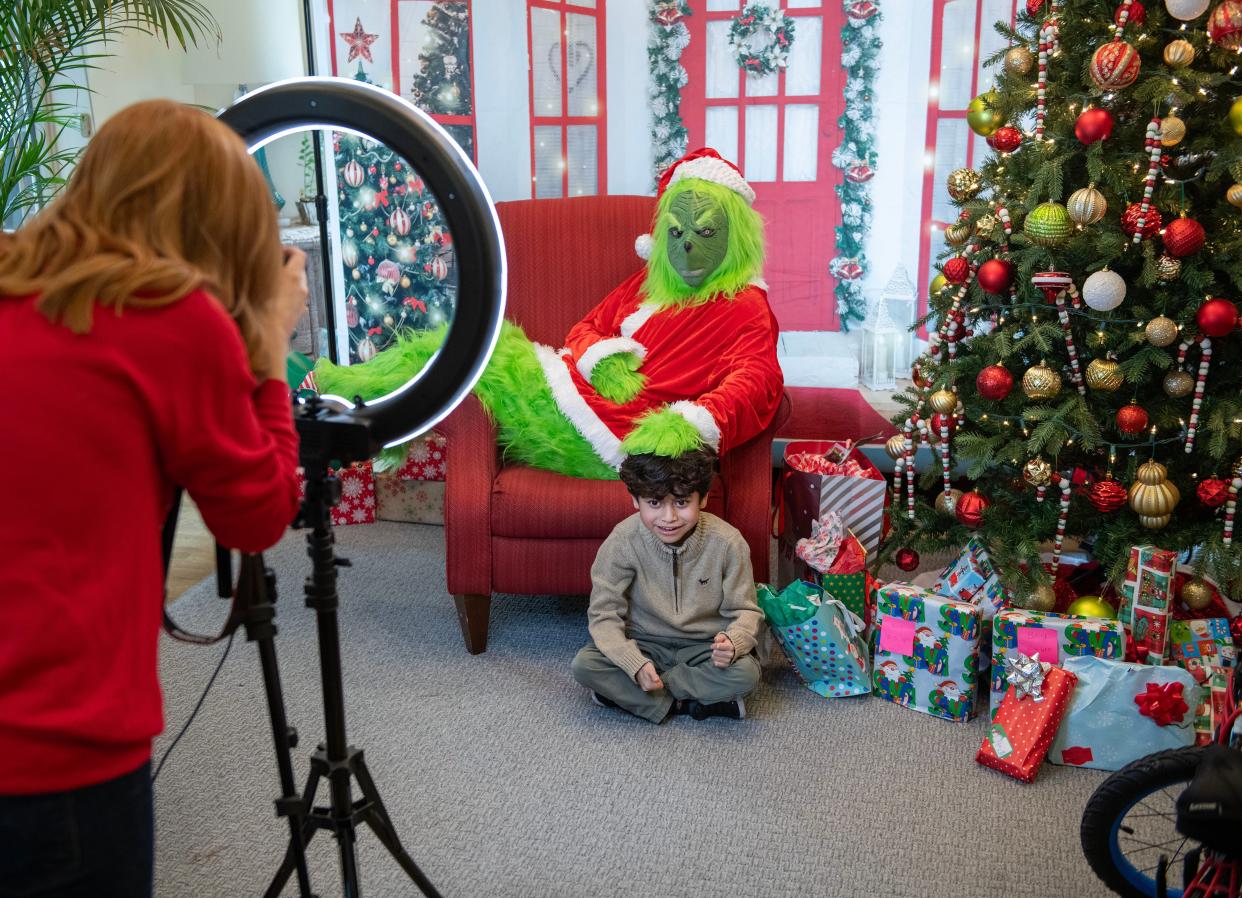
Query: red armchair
[510, 528]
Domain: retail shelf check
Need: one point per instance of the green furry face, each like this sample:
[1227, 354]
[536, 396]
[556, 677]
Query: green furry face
[698, 236]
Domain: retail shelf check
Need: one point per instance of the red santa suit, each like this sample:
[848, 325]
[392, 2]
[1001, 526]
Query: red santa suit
[714, 363]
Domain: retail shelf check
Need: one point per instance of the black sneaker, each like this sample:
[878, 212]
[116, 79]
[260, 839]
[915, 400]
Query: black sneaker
[734, 709]
[604, 701]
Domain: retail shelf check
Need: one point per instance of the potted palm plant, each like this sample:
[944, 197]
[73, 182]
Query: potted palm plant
[46, 49]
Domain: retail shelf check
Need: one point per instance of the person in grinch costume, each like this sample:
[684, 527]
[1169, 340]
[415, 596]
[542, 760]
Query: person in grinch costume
[680, 355]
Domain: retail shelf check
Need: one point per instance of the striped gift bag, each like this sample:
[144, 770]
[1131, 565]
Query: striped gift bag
[805, 496]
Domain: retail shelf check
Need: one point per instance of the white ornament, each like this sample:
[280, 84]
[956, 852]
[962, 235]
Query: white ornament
[1104, 291]
[1186, 9]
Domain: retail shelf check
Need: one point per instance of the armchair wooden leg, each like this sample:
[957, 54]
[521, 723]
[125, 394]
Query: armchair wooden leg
[473, 612]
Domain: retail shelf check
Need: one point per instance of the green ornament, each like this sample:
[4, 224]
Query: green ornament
[1092, 606]
[1048, 224]
[982, 116]
[938, 283]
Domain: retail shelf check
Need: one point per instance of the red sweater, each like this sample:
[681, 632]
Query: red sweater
[98, 430]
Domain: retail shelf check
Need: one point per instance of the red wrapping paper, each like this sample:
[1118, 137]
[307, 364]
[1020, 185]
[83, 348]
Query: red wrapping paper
[1022, 729]
[358, 504]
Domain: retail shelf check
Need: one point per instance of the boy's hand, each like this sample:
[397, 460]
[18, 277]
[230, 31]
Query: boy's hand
[722, 650]
[648, 679]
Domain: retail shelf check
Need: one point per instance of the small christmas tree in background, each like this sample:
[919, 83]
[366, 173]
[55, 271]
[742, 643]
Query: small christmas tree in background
[1085, 368]
[395, 246]
[442, 84]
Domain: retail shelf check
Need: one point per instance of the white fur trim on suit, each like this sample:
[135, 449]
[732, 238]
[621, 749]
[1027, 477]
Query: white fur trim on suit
[637, 319]
[642, 246]
[702, 420]
[575, 408]
[717, 171]
[597, 352]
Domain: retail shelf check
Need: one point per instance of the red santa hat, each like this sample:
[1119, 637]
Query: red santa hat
[947, 684]
[706, 165]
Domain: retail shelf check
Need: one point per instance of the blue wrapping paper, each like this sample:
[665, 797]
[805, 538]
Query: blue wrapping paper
[1104, 727]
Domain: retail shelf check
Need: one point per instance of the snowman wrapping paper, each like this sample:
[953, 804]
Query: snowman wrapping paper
[926, 654]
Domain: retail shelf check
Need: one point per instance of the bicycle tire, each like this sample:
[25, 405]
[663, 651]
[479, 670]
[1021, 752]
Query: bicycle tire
[1112, 801]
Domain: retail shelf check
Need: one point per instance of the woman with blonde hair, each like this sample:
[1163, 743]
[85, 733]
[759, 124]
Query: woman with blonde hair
[144, 317]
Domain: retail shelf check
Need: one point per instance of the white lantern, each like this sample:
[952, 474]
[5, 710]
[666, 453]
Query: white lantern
[901, 296]
[1104, 290]
[881, 348]
[1186, 9]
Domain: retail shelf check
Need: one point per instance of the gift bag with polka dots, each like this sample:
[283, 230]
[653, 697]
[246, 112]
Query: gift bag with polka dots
[822, 639]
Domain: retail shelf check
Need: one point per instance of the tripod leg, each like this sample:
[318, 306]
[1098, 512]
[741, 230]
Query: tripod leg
[381, 824]
[308, 830]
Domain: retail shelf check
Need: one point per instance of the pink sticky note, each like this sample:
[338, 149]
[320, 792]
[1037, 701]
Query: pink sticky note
[1038, 639]
[897, 635]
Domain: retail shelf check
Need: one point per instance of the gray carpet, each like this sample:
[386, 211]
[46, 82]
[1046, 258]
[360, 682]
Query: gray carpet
[504, 780]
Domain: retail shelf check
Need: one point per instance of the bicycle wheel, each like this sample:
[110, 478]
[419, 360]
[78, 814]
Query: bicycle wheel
[1130, 822]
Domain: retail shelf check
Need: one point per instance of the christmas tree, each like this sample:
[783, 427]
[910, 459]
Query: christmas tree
[400, 271]
[442, 84]
[1084, 369]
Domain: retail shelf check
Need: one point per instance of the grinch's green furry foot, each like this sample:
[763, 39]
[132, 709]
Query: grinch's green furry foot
[386, 372]
[662, 433]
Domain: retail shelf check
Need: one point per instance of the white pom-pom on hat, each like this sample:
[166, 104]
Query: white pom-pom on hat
[642, 245]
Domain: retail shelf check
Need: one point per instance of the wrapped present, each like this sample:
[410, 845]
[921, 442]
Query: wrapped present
[357, 505]
[1023, 727]
[1055, 636]
[926, 654]
[822, 477]
[973, 578]
[409, 501]
[822, 639]
[1212, 709]
[1200, 645]
[1121, 712]
[424, 459]
[1147, 599]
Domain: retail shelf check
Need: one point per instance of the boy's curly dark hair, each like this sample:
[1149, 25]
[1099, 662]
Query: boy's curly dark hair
[649, 476]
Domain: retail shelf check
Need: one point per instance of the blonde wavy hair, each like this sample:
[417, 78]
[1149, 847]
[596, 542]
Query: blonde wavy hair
[165, 200]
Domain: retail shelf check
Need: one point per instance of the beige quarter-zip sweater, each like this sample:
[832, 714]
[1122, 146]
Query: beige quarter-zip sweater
[642, 587]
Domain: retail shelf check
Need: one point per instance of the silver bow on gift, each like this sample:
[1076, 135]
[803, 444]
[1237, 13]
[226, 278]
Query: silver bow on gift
[1026, 673]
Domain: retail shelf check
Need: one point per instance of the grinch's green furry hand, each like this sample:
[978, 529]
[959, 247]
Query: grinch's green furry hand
[616, 377]
[662, 433]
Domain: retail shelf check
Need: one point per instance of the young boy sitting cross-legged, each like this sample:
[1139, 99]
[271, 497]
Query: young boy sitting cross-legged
[673, 618]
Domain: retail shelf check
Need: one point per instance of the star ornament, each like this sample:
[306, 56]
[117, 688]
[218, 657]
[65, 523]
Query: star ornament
[359, 42]
[1026, 673]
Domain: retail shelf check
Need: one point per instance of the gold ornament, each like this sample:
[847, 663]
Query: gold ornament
[1179, 53]
[1041, 598]
[389, 321]
[1041, 382]
[1086, 205]
[896, 446]
[405, 282]
[1196, 595]
[1019, 61]
[957, 234]
[392, 239]
[1161, 331]
[1037, 472]
[1178, 384]
[1104, 375]
[356, 274]
[1168, 268]
[964, 184]
[986, 225]
[1234, 195]
[1235, 116]
[946, 503]
[1172, 130]
[943, 401]
[1153, 496]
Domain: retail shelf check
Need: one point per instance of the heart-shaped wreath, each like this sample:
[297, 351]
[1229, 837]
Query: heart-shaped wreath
[760, 38]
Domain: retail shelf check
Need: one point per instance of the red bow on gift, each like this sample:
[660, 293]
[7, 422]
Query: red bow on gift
[1163, 703]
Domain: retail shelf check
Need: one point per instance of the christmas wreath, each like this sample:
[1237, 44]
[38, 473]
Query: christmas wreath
[760, 39]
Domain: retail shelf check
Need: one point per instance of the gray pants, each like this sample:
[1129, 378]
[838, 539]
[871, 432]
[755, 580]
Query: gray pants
[685, 666]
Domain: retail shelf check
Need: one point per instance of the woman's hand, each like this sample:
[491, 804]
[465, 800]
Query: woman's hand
[286, 308]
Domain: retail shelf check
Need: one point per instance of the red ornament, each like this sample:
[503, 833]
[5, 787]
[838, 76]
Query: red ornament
[1107, 496]
[1138, 14]
[1151, 221]
[994, 382]
[957, 270]
[1213, 492]
[860, 173]
[949, 422]
[1006, 139]
[1094, 124]
[1163, 703]
[1225, 24]
[1131, 419]
[970, 508]
[1033, 7]
[1115, 65]
[1235, 629]
[995, 275]
[1217, 317]
[919, 380]
[907, 559]
[1183, 237]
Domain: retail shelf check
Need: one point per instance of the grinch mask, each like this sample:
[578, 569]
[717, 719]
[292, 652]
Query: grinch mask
[698, 236]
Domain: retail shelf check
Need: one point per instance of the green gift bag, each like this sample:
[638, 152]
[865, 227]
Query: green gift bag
[822, 639]
[850, 590]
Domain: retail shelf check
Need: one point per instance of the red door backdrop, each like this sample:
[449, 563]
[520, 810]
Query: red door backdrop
[780, 130]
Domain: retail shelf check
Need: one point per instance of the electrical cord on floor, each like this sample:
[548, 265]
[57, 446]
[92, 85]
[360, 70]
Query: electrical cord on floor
[202, 698]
